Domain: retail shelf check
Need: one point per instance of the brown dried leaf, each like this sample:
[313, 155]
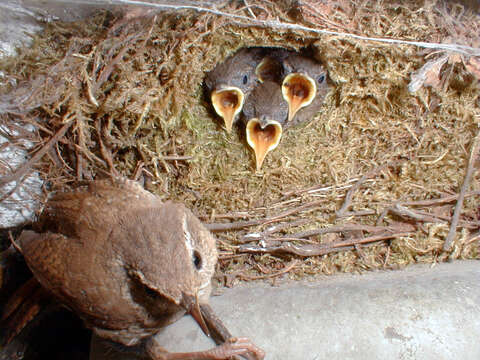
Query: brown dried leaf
[428, 74]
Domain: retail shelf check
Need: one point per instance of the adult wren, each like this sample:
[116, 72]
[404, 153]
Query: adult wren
[127, 264]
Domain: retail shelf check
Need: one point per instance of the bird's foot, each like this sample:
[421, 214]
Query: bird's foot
[233, 347]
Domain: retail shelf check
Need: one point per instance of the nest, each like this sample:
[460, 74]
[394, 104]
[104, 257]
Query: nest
[372, 182]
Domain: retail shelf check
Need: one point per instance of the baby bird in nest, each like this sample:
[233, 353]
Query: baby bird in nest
[128, 265]
[291, 90]
[230, 83]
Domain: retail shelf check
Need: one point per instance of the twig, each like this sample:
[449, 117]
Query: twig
[340, 228]
[243, 224]
[473, 238]
[271, 230]
[402, 211]
[348, 197]
[285, 270]
[177, 157]
[347, 228]
[442, 200]
[23, 169]
[315, 250]
[106, 153]
[317, 188]
[461, 196]
[249, 9]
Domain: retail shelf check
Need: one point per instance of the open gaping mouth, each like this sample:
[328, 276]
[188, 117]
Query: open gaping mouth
[263, 138]
[228, 102]
[298, 90]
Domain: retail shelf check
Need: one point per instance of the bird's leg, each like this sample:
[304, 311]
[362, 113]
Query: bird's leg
[212, 326]
[218, 331]
[232, 347]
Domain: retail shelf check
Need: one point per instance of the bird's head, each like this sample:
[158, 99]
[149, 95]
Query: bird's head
[172, 262]
[302, 84]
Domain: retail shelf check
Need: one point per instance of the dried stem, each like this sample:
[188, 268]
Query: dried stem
[285, 270]
[243, 224]
[458, 207]
[348, 198]
[319, 249]
[22, 170]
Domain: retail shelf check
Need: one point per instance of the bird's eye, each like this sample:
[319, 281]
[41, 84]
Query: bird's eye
[197, 260]
[321, 79]
[245, 79]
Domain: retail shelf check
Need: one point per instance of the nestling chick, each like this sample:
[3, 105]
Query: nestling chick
[265, 114]
[303, 80]
[127, 264]
[291, 90]
[304, 86]
[230, 83]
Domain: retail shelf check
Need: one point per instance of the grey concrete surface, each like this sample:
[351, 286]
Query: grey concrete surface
[421, 312]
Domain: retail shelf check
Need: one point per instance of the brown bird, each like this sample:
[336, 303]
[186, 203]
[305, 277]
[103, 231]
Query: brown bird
[304, 86]
[265, 114]
[127, 264]
[230, 82]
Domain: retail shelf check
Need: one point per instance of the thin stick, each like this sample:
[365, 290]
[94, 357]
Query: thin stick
[403, 211]
[320, 249]
[176, 157]
[22, 170]
[318, 188]
[461, 196]
[285, 270]
[442, 200]
[256, 236]
[339, 228]
[348, 198]
[243, 224]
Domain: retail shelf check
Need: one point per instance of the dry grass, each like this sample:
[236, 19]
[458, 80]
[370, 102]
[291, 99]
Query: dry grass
[133, 94]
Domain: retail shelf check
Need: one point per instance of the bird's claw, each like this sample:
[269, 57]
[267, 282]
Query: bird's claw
[237, 346]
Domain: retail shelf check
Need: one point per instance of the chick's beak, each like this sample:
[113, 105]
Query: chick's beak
[263, 138]
[190, 303]
[228, 102]
[298, 90]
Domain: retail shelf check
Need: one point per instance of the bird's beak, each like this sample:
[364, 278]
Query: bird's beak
[228, 102]
[298, 90]
[263, 137]
[190, 303]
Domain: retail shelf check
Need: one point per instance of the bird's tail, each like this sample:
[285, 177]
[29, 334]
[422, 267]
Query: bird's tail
[21, 308]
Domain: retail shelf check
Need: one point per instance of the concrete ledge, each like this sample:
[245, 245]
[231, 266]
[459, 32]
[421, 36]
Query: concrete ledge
[417, 313]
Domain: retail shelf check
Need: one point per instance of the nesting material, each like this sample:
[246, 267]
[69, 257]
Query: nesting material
[370, 183]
